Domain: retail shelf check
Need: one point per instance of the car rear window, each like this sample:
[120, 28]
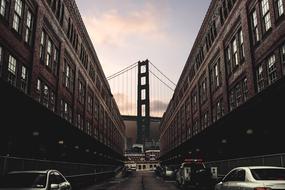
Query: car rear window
[268, 174]
[23, 180]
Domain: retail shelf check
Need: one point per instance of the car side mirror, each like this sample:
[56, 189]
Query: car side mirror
[54, 186]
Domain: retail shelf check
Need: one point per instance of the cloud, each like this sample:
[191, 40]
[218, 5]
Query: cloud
[158, 106]
[116, 29]
[126, 107]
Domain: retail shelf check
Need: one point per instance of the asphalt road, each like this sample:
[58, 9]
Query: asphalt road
[137, 181]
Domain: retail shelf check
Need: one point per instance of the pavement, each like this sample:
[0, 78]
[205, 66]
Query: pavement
[136, 181]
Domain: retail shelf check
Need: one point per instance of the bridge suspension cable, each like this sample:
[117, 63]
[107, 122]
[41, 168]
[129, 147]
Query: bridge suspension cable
[122, 71]
[161, 80]
[162, 74]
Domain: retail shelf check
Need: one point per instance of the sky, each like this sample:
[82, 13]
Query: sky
[126, 31]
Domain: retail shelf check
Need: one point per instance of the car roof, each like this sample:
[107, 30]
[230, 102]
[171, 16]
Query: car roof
[32, 171]
[260, 167]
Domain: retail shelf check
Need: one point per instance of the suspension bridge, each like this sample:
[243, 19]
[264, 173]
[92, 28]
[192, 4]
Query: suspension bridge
[124, 85]
[143, 91]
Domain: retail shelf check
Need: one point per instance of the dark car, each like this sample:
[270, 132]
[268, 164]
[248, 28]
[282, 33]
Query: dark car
[193, 173]
[158, 171]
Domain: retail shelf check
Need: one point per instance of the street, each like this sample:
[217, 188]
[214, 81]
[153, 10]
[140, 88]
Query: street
[137, 181]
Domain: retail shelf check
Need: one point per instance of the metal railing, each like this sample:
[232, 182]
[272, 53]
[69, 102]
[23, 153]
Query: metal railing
[79, 174]
[224, 166]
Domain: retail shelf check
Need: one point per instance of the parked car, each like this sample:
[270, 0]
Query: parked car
[43, 180]
[168, 172]
[158, 171]
[253, 178]
[193, 173]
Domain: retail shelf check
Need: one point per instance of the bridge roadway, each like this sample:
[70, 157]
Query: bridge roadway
[137, 181]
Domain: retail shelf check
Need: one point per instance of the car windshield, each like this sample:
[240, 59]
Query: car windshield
[268, 174]
[23, 180]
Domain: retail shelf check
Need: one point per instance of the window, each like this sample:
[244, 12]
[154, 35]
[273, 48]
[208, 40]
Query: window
[279, 8]
[204, 120]
[45, 96]
[203, 90]
[196, 127]
[272, 71]
[232, 100]
[194, 102]
[24, 79]
[17, 15]
[245, 89]
[55, 60]
[28, 28]
[265, 15]
[96, 108]
[216, 76]
[241, 45]
[3, 7]
[79, 121]
[48, 54]
[229, 60]
[68, 80]
[89, 103]
[235, 52]
[88, 128]
[282, 54]
[238, 95]
[12, 70]
[218, 110]
[254, 27]
[260, 78]
[42, 46]
[81, 92]
[65, 110]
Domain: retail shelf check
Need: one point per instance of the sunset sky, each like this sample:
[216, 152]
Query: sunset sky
[126, 31]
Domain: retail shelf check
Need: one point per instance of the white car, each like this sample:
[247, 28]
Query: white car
[34, 180]
[253, 178]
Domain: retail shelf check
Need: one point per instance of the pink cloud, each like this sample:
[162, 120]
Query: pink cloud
[115, 29]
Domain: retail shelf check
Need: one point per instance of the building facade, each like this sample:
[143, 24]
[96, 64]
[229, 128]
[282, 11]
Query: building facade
[238, 53]
[46, 53]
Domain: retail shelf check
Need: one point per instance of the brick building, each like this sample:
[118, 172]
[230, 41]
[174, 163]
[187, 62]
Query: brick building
[239, 52]
[46, 53]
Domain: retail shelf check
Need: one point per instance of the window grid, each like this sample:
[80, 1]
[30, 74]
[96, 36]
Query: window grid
[24, 79]
[280, 8]
[3, 6]
[17, 15]
[48, 55]
[272, 70]
[255, 27]
[42, 46]
[266, 15]
[241, 45]
[283, 54]
[260, 78]
[12, 70]
[68, 77]
[28, 34]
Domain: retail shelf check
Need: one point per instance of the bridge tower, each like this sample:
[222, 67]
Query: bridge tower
[143, 105]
